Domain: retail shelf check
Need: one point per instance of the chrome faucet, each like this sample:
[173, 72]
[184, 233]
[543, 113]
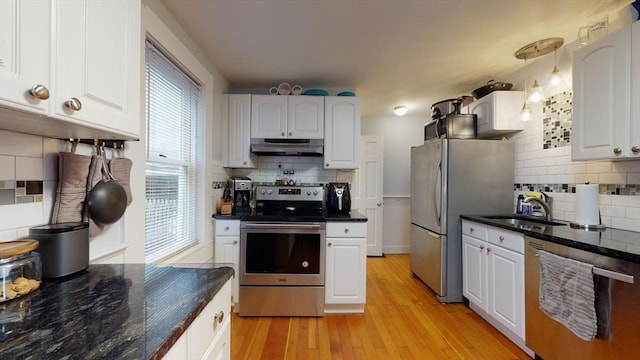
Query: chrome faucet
[545, 203]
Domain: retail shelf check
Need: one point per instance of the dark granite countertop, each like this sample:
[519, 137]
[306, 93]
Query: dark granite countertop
[132, 311]
[616, 243]
[354, 215]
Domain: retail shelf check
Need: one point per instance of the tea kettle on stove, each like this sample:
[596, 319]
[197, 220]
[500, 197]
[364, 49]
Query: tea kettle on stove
[338, 198]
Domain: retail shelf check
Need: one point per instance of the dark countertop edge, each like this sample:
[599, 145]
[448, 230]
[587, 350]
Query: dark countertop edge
[180, 330]
[618, 254]
[352, 216]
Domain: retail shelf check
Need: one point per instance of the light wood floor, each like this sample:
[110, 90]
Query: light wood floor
[402, 320]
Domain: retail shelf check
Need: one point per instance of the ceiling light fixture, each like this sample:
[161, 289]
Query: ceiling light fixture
[400, 110]
[555, 74]
[535, 49]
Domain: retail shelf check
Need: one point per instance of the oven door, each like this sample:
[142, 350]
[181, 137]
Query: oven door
[282, 253]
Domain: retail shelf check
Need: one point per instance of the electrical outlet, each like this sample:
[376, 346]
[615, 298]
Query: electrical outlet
[285, 171]
[291, 172]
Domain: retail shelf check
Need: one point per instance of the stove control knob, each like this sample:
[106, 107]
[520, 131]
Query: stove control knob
[263, 191]
[315, 192]
[308, 192]
[269, 192]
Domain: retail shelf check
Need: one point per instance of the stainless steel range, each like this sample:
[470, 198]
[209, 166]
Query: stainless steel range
[282, 253]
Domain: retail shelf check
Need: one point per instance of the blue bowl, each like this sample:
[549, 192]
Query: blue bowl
[346, 93]
[319, 92]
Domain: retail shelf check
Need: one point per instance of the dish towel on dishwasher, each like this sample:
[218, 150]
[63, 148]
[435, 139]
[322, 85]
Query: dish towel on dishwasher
[567, 294]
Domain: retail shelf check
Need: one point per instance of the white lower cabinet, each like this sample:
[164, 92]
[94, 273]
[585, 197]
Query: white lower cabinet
[227, 250]
[493, 277]
[209, 336]
[346, 267]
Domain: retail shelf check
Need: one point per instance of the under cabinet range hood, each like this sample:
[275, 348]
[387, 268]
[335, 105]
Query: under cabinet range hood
[287, 147]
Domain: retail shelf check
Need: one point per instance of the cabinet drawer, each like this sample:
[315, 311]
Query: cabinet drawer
[205, 327]
[346, 229]
[227, 227]
[473, 229]
[507, 239]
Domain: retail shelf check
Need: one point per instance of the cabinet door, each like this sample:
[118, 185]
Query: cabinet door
[203, 333]
[346, 266]
[268, 116]
[635, 90]
[220, 348]
[239, 153]
[601, 98]
[24, 53]
[305, 117]
[227, 250]
[97, 63]
[342, 132]
[506, 288]
[474, 271]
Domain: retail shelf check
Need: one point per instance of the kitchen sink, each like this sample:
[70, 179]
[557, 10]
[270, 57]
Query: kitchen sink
[523, 220]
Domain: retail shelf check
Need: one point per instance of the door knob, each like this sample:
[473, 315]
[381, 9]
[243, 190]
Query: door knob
[73, 104]
[39, 91]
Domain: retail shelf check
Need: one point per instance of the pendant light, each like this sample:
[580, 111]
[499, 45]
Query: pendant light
[535, 49]
[525, 113]
[555, 74]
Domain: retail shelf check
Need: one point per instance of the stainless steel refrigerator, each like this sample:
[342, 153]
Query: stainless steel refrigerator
[449, 178]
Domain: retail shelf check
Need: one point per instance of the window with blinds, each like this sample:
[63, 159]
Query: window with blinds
[172, 116]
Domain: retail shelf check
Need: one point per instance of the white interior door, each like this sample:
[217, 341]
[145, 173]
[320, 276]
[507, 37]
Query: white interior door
[368, 193]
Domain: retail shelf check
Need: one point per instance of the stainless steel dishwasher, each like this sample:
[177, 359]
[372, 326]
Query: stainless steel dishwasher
[617, 291]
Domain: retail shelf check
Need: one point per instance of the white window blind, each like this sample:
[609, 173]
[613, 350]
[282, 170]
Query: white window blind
[172, 116]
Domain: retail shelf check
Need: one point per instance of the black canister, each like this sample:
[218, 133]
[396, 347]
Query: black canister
[64, 248]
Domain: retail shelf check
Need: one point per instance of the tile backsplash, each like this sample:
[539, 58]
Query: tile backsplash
[307, 170]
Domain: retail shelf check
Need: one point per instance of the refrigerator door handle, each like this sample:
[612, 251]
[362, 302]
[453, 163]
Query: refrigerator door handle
[434, 188]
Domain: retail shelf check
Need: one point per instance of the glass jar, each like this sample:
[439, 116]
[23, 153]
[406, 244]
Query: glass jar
[20, 269]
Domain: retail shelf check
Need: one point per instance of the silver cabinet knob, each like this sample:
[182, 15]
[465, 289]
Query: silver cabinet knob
[501, 238]
[226, 228]
[290, 134]
[244, 163]
[488, 250]
[481, 247]
[346, 230]
[73, 104]
[379, 203]
[329, 244]
[235, 242]
[327, 164]
[635, 149]
[39, 91]
[471, 229]
[617, 151]
[282, 133]
[218, 318]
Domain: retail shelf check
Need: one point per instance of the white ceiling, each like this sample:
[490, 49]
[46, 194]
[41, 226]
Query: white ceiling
[392, 52]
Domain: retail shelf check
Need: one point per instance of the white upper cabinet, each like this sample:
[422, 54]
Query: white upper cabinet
[602, 105]
[342, 132]
[498, 113]
[73, 60]
[25, 54]
[239, 152]
[287, 117]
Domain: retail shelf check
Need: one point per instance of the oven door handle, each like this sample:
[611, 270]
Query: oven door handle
[282, 226]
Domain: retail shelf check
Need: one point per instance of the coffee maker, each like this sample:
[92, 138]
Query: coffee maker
[241, 188]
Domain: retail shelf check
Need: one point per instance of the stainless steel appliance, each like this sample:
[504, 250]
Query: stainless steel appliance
[617, 308]
[338, 198]
[282, 253]
[241, 188]
[450, 177]
[449, 123]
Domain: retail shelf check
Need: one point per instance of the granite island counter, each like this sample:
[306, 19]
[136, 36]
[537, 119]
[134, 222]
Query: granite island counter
[132, 311]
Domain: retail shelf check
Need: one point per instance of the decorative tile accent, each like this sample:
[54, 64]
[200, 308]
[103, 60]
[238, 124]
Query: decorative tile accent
[27, 191]
[605, 189]
[556, 119]
[218, 184]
